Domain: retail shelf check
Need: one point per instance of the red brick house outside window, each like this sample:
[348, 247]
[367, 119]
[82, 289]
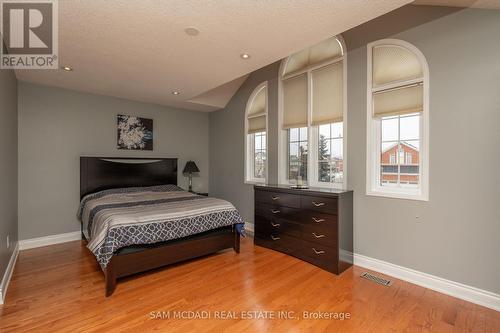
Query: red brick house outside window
[400, 160]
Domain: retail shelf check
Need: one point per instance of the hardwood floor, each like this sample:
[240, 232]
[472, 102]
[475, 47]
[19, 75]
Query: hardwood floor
[60, 288]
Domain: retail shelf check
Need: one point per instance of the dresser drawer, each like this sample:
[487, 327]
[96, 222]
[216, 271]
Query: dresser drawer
[264, 224]
[319, 220]
[320, 235]
[277, 226]
[270, 243]
[275, 212]
[279, 242]
[319, 255]
[319, 204]
[276, 198]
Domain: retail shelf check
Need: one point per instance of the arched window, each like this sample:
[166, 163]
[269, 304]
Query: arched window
[312, 115]
[397, 120]
[256, 136]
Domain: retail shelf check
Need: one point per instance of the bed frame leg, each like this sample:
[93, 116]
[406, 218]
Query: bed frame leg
[110, 279]
[236, 245]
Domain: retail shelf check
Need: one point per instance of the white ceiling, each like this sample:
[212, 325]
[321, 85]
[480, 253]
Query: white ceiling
[218, 97]
[138, 50]
[486, 4]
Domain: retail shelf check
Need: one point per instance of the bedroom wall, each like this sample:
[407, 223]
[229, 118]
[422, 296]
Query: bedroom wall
[8, 166]
[57, 126]
[457, 234]
[227, 142]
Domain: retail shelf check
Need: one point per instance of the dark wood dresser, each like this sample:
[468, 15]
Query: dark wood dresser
[314, 224]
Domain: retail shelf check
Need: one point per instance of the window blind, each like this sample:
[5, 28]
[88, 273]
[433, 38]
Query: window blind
[295, 102]
[256, 113]
[327, 49]
[257, 124]
[398, 101]
[393, 63]
[327, 94]
[258, 104]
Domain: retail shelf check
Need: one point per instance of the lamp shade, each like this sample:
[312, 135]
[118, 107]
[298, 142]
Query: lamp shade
[190, 167]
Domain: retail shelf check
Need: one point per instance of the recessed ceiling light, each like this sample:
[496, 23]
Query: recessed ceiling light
[175, 92]
[192, 31]
[245, 56]
[67, 68]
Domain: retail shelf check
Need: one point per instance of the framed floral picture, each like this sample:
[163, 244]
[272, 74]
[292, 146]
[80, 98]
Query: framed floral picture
[134, 133]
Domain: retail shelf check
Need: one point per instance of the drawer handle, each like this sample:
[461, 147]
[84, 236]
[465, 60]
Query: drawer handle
[318, 236]
[318, 252]
[274, 238]
[318, 204]
[275, 224]
[275, 198]
[318, 220]
[275, 211]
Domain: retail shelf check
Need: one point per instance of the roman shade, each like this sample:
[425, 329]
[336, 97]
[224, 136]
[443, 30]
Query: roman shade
[327, 49]
[258, 104]
[256, 112]
[295, 102]
[393, 63]
[327, 94]
[257, 124]
[398, 101]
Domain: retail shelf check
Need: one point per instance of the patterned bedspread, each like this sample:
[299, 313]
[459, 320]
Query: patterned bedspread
[116, 218]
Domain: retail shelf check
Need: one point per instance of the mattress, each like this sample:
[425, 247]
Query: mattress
[118, 218]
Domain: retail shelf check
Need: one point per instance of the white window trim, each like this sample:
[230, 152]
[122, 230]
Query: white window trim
[373, 134]
[248, 165]
[313, 131]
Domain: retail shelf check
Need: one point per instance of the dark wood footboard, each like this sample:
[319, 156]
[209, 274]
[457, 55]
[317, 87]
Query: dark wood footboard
[236, 245]
[131, 262]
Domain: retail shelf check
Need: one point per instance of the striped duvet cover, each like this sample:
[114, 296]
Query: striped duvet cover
[117, 218]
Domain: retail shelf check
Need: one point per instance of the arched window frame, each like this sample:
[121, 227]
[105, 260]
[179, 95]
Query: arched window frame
[249, 144]
[373, 146]
[313, 131]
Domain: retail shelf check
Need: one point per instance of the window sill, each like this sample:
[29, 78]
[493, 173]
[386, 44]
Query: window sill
[292, 183]
[398, 195]
[339, 186]
[254, 182]
[318, 185]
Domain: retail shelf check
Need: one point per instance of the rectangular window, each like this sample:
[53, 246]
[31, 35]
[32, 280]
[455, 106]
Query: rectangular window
[400, 137]
[330, 153]
[259, 154]
[401, 155]
[408, 158]
[297, 153]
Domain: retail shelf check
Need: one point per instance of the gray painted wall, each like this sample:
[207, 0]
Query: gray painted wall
[457, 234]
[57, 126]
[227, 142]
[8, 165]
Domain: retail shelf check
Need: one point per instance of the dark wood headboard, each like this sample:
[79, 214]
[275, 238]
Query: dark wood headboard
[102, 173]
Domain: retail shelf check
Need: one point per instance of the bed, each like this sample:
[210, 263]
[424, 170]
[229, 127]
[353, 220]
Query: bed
[135, 218]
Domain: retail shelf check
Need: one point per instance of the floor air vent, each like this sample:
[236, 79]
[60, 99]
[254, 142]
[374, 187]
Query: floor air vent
[376, 279]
